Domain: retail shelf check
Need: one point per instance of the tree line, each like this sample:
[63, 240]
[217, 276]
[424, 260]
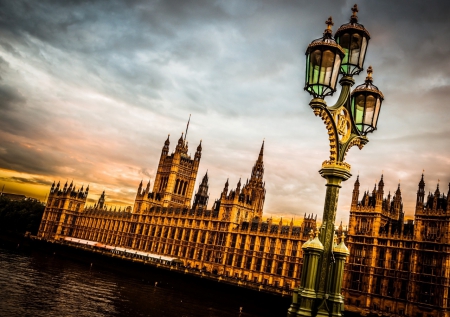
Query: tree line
[20, 216]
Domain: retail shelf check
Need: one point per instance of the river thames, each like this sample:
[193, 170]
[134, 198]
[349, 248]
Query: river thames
[38, 283]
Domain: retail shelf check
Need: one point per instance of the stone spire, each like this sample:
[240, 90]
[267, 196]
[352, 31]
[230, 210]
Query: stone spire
[421, 192]
[258, 168]
[201, 197]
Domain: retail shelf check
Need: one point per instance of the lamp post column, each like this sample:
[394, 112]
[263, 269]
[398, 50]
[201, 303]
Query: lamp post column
[334, 176]
[340, 252]
[348, 121]
[308, 295]
[292, 311]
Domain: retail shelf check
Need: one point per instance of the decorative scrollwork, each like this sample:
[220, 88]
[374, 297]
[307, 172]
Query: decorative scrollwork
[358, 141]
[331, 164]
[343, 124]
[332, 137]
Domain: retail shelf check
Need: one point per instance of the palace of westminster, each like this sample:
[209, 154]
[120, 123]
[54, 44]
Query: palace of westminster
[395, 267]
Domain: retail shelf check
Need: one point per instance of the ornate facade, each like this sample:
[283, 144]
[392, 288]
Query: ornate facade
[395, 267]
[398, 268]
[230, 239]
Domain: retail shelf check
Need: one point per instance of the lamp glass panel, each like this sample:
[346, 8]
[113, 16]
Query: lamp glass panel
[308, 58]
[327, 67]
[337, 64]
[344, 42]
[355, 48]
[370, 109]
[314, 70]
[358, 108]
[377, 112]
[363, 52]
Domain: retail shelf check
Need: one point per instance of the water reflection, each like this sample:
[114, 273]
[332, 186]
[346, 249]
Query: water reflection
[43, 284]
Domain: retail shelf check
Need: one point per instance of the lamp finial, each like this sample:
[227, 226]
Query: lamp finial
[369, 74]
[329, 24]
[354, 17]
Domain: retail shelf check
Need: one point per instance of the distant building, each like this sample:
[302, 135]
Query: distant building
[395, 267]
[230, 240]
[398, 268]
[14, 197]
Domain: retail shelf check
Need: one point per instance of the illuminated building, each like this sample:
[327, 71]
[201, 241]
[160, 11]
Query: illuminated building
[395, 266]
[229, 240]
[398, 268]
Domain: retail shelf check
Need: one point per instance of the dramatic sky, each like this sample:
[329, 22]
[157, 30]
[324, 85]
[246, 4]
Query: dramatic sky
[89, 91]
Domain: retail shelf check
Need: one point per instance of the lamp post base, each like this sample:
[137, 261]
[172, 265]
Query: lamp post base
[326, 271]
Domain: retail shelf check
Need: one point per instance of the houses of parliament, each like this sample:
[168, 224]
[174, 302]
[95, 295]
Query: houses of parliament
[395, 267]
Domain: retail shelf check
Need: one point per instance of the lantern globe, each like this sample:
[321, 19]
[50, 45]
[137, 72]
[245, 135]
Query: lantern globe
[323, 60]
[365, 103]
[354, 39]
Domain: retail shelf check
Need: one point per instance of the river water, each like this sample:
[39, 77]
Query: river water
[39, 283]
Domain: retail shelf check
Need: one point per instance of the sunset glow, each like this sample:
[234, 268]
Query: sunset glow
[89, 92]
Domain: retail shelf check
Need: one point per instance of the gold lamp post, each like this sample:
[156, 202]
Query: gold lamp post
[348, 121]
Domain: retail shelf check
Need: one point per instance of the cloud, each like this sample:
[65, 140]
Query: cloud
[25, 180]
[90, 89]
[10, 98]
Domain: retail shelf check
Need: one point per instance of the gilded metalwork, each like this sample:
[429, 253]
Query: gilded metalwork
[344, 132]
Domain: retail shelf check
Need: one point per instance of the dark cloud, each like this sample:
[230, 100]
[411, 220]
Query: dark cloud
[146, 172]
[26, 158]
[23, 180]
[90, 89]
[10, 98]
[9, 48]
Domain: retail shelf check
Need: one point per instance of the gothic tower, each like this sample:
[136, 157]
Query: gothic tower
[431, 227]
[176, 174]
[246, 202]
[63, 207]
[101, 201]
[256, 184]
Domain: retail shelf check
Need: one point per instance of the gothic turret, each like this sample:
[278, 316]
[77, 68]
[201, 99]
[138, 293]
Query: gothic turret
[437, 195]
[380, 192]
[147, 189]
[198, 154]
[397, 203]
[448, 198]
[238, 187]
[140, 188]
[180, 145]
[101, 201]
[421, 193]
[202, 196]
[258, 168]
[165, 149]
[355, 194]
[256, 184]
[225, 189]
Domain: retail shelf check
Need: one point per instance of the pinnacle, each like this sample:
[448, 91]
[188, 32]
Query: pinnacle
[261, 152]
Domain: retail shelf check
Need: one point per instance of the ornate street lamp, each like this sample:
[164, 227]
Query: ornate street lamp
[353, 38]
[365, 105]
[348, 121]
[323, 59]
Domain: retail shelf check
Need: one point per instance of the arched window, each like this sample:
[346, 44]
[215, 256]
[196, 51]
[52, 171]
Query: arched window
[184, 188]
[176, 186]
